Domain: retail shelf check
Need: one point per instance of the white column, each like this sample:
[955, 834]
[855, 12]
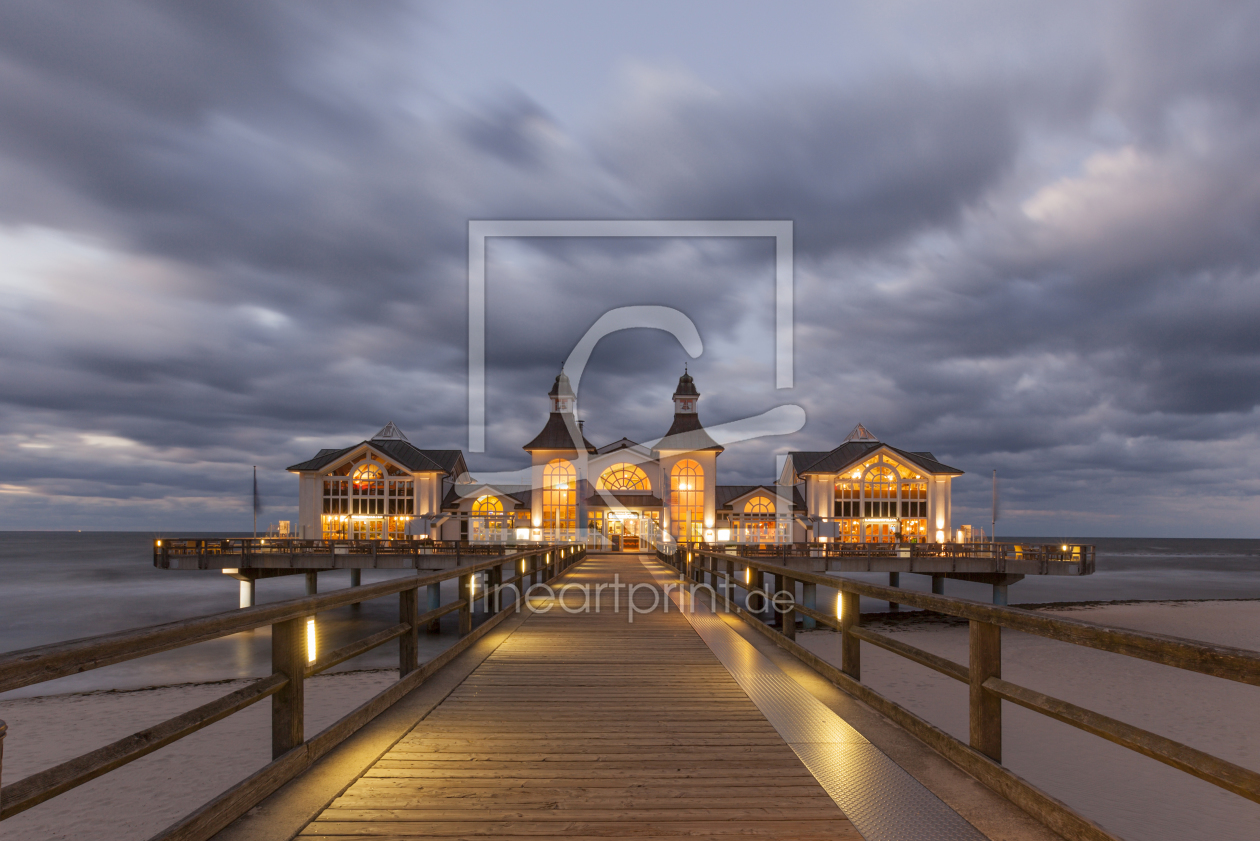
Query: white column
[247, 593]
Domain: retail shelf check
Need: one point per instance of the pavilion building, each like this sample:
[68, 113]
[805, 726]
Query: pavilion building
[627, 493]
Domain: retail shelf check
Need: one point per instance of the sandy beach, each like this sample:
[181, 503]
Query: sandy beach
[1131, 795]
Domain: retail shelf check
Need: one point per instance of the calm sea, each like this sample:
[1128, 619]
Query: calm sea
[58, 586]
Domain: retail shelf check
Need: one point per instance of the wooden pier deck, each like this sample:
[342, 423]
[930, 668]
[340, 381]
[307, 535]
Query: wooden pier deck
[588, 725]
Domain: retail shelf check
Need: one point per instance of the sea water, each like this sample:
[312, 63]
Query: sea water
[57, 586]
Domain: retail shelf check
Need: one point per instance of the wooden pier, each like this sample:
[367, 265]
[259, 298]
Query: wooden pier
[666, 708]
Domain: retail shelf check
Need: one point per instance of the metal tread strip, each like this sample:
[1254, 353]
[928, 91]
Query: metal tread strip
[883, 801]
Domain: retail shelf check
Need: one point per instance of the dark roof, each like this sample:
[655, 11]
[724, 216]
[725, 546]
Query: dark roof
[686, 386]
[621, 444]
[687, 433]
[556, 436]
[561, 386]
[625, 498]
[724, 495]
[450, 462]
[839, 459]
[453, 498]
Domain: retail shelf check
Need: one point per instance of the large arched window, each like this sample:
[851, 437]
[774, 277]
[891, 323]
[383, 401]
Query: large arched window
[623, 477]
[686, 500]
[879, 492]
[368, 491]
[559, 497]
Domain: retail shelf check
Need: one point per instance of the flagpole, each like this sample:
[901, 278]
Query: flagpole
[993, 525]
[255, 500]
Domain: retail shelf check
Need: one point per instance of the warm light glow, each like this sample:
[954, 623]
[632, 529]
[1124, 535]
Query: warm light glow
[472, 584]
[857, 474]
[310, 640]
[1065, 548]
[159, 543]
[940, 536]
[747, 575]
[708, 535]
[229, 571]
[723, 535]
[522, 534]
[839, 605]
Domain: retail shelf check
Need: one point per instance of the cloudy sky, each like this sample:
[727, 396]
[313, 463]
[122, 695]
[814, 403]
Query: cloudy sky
[1027, 238]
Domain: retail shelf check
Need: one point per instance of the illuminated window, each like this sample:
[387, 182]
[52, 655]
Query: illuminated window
[368, 491]
[879, 493]
[488, 523]
[759, 505]
[686, 501]
[623, 477]
[848, 499]
[559, 497]
[914, 499]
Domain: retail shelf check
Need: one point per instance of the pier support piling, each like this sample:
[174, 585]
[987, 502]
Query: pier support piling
[894, 580]
[312, 583]
[938, 585]
[999, 594]
[247, 592]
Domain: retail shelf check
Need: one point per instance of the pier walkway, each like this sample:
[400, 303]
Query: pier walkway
[586, 724]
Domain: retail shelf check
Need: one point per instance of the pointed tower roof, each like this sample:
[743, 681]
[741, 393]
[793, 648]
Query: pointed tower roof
[861, 435]
[557, 434]
[390, 432]
[686, 432]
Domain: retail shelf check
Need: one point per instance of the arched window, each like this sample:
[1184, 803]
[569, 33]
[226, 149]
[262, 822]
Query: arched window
[686, 500]
[487, 520]
[879, 492]
[623, 477]
[487, 506]
[559, 497]
[759, 505]
[368, 491]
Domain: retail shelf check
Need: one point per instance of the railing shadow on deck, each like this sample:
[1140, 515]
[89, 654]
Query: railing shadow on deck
[293, 661]
[981, 756]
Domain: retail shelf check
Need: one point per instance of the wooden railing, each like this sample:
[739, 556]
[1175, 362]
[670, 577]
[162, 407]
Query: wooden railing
[981, 755]
[165, 548]
[292, 662]
[1072, 553]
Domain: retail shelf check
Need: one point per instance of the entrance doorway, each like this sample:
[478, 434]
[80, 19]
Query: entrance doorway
[627, 531]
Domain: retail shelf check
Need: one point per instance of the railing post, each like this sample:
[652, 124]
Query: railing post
[985, 707]
[850, 646]
[435, 601]
[729, 592]
[465, 610]
[493, 594]
[787, 619]
[408, 643]
[288, 657]
[4, 728]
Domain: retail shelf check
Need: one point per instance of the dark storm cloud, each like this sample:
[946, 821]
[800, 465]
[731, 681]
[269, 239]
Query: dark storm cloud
[1049, 267]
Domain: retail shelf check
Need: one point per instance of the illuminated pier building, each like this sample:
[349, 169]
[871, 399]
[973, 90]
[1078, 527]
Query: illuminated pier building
[626, 494]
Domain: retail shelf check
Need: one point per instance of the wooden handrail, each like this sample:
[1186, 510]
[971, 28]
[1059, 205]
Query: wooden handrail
[48, 662]
[290, 667]
[35, 789]
[983, 754]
